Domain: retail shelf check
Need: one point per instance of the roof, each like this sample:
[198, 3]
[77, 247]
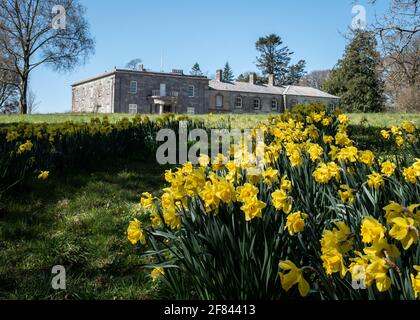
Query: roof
[115, 71]
[307, 92]
[266, 89]
[245, 87]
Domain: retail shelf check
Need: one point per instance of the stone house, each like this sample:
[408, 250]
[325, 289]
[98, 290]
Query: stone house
[141, 91]
[249, 97]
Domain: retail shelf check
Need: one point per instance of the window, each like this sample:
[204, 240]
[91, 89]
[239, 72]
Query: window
[238, 102]
[274, 104]
[219, 101]
[257, 104]
[191, 91]
[132, 108]
[133, 87]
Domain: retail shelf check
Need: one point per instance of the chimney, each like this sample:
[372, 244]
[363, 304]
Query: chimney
[252, 77]
[219, 76]
[141, 67]
[271, 80]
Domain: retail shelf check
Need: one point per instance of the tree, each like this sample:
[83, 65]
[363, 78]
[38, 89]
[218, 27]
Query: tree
[296, 72]
[244, 77]
[402, 77]
[196, 71]
[399, 31]
[227, 74]
[38, 32]
[275, 59]
[315, 79]
[8, 85]
[357, 77]
[134, 64]
[33, 102]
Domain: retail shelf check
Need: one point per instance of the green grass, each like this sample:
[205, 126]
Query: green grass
[79, 221]
[237, 120]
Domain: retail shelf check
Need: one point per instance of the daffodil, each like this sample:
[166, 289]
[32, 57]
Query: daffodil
[246, 191]
[371, 230]
[281, 201]
[43, 175]
[404, 230]
[270, 176]
[252, 208]
[295, 222]
[375, 180]
[388, 168]
[346, 194]
[315, 151]
[415, 282]
[157, 274]
[292, 277]
[135, 232]
[366, 157]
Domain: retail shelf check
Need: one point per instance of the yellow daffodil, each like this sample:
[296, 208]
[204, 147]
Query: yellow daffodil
[346, 194]
[270, 176]
[292, 277]
[43, 175]
[252, 208]
[281, 201]
[285, 184]
[404, 230]
[246, 191]
[315, 151]
[385, 134]
[366, 157]
[157, 274]
[415, 282]
[371, 230]
[388, 168]
[295, 222]
[375, 180]
[135, 232]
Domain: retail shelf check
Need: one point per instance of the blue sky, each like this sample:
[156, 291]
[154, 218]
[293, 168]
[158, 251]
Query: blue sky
[209, 32]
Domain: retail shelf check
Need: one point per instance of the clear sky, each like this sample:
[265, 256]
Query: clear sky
[207, 32]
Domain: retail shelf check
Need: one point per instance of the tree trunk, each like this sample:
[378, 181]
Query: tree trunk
[24, 95]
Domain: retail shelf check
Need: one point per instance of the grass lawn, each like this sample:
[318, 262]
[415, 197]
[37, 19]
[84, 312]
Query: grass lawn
[78, 221]
[237, 120]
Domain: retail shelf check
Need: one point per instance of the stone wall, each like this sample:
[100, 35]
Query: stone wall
[148, 82]
[94, 96]
[229, 98]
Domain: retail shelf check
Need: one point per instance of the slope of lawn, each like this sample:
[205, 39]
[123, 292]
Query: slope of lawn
[237, 120]
[77, 220]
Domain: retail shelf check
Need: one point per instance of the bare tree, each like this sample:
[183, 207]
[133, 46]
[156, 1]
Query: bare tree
[8, 85]
[37, 32]
[315, 79]
[399, 34]
[133, 64]
[33, 102]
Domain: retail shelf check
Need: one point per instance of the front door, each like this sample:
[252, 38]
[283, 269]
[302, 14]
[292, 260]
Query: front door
[167, 108]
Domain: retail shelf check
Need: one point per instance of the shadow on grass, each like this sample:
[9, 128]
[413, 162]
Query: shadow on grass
[78, 220]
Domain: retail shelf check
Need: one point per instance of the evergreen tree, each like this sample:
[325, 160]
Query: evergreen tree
[228, 73]
[196, 71]
[296, 73]
[356, 78]
[275, 59]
